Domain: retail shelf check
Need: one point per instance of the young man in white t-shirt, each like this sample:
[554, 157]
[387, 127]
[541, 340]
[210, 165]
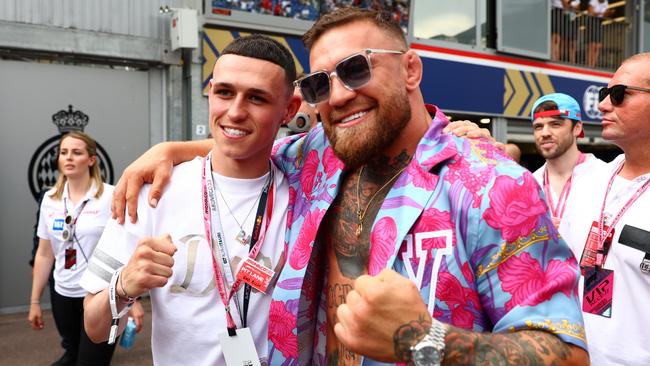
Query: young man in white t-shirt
[236, 197]
[557, 126]
[615, 284]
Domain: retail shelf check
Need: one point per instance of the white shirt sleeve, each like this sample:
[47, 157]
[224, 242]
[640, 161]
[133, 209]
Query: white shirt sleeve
[115, 247]
[42, 231]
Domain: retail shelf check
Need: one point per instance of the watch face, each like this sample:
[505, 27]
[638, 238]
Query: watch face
[427, 355]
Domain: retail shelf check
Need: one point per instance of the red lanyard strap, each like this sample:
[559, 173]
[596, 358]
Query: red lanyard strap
[77, 214]
[558, 211]
[69, 232]
[601, 221]
[210, 206]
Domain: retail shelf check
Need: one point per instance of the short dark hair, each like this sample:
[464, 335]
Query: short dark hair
[347, 15]
[264, 48]
[550, 105]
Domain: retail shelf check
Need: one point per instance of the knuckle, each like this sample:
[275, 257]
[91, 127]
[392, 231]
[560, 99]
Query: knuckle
[411, 287]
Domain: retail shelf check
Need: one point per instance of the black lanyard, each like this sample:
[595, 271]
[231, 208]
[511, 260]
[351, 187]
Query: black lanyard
[259, 215]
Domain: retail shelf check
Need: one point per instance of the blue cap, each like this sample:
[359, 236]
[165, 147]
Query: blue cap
[566, 105]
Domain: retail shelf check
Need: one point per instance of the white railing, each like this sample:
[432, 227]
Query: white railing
[585, 40]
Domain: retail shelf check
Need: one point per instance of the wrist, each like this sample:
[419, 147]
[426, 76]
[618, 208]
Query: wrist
[167, 151]
[430, 349]
[121, 292]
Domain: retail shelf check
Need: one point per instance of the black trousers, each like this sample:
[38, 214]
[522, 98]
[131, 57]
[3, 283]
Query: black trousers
[68, 315]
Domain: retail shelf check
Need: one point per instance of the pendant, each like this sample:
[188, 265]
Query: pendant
[360, 226]
[242, 237]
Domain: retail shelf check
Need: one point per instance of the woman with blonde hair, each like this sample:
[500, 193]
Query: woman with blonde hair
[72, 218]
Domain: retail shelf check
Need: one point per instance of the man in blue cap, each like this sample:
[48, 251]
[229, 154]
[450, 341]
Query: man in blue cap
[557, 127]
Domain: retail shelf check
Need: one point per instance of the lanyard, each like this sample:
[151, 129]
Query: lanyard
[558, 211]
[77, 213]
[210, 217]
[112, 300]
[69, 233]
[601, 221]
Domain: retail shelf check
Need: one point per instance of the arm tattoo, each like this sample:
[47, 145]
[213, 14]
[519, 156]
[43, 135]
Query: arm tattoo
[528, 348]
[408, 335]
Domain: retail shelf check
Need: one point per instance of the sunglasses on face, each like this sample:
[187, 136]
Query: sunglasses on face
[617, 93]
[353, 71]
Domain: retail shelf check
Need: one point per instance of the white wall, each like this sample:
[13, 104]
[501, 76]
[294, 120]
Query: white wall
[124, 109]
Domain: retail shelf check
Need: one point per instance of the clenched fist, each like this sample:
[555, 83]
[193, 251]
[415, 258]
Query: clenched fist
[150, 266]
[382, 317]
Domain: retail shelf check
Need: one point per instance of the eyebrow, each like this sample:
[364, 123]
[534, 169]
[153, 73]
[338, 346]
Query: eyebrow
[255, 91]
[552, 120]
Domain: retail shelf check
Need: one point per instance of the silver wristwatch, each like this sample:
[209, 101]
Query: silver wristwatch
[431, 349]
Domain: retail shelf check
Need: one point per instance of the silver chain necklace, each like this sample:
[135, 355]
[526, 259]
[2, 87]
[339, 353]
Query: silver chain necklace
[242, 236]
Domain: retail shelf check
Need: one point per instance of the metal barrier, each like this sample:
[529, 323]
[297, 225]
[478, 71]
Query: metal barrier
[585, 40]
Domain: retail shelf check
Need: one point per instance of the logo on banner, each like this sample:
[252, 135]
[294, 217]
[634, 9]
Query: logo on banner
[590, 103]
[43, 166]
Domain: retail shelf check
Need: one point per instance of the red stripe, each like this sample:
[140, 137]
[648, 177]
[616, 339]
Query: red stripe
[512, 60]
[554, 112]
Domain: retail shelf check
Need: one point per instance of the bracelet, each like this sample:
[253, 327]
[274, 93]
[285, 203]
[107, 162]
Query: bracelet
[35, 302]
[126, 299]
[115, 315]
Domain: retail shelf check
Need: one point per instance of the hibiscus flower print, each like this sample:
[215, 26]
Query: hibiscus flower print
[514, 209]
[331, 163]
[302, 249]
[460, 300]
[309, 174]
[473, 180]
[383, 238]
[529, 285]
[426, 181]
[281, 323]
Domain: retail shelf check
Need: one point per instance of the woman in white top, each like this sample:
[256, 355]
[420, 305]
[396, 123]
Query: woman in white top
[72, 218]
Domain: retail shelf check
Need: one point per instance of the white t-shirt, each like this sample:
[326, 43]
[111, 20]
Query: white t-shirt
[621, 339]
[188, 313]
[88, 229]
[590, 164]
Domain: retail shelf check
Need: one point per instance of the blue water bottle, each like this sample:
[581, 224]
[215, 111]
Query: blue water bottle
[128, 337]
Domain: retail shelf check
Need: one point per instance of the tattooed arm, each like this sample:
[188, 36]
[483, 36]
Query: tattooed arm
[384, 316]
[526, 347]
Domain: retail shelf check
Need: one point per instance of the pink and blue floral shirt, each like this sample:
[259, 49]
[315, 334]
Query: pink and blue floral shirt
[466, 224]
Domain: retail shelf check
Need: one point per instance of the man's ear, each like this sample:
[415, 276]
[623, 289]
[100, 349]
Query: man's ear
[577, 129]
[292, 108]
[413, 70]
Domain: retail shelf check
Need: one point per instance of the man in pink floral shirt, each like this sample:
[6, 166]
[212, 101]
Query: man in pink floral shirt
[407, 244]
